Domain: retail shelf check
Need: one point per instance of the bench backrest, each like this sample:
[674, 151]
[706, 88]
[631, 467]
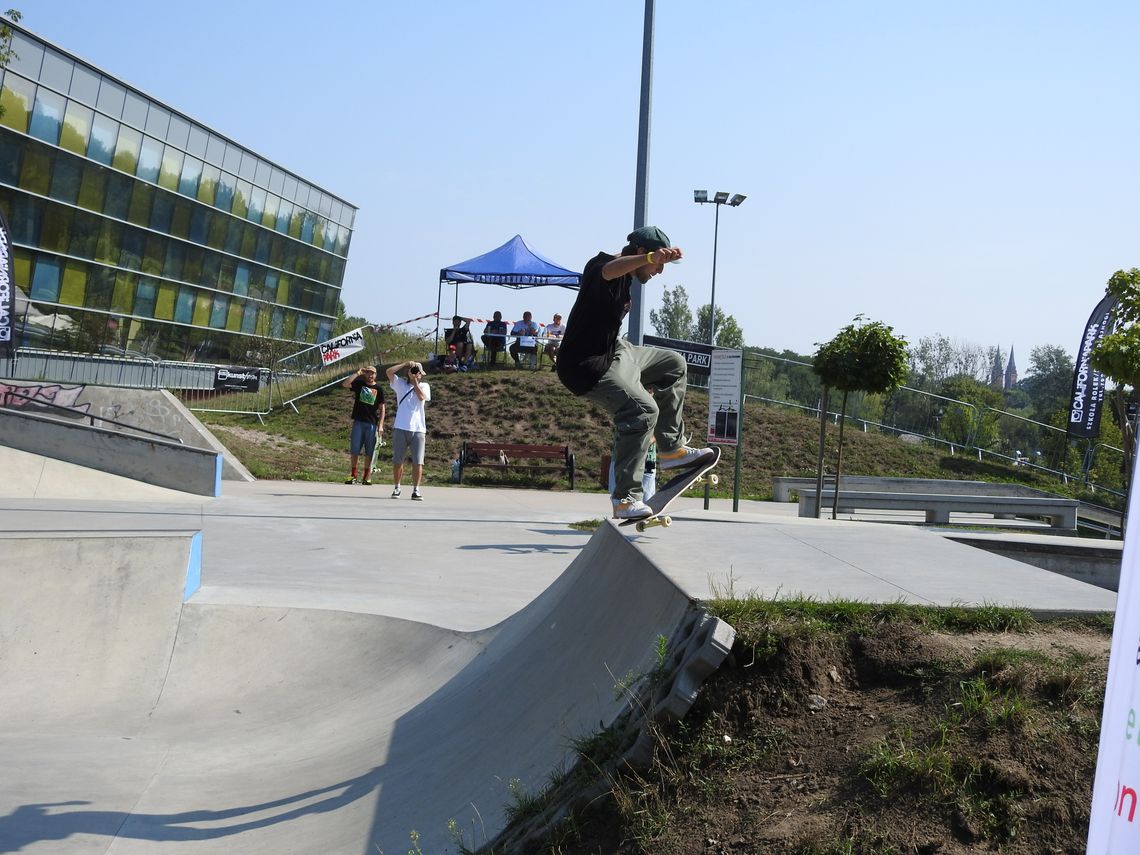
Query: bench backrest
[518, 450]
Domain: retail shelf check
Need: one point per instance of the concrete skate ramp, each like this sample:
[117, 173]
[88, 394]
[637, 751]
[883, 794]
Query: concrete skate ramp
[150, 409]
[34, 476]
[233, 728]
[153, 461]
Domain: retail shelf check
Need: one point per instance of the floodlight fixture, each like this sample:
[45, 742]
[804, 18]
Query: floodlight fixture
[721, 198]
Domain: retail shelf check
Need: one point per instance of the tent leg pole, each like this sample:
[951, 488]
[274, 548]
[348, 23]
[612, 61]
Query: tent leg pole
[438, 306]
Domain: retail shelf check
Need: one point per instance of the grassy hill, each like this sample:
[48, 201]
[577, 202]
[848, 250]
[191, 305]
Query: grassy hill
[533, 407]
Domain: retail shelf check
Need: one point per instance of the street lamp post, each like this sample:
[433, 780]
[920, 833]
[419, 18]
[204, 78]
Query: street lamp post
[701, 197]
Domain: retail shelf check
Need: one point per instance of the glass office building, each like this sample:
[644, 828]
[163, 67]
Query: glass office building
[138, 230]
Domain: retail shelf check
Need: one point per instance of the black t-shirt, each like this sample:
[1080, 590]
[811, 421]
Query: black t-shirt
[457, 335]
[592, 329]
[366, 401]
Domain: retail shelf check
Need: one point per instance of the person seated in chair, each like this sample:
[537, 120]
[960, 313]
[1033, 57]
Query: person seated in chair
[495, 338]
[525, 330]
[459, 336]
[553, 334]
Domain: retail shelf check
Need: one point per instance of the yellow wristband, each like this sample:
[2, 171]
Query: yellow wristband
[649, 256]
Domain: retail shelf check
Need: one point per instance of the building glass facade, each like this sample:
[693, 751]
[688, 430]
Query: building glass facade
[137, 230]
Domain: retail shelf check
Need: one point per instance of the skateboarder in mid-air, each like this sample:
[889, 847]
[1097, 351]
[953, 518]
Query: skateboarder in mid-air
[595, 363]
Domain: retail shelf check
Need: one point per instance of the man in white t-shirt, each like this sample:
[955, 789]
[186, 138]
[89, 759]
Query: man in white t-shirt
[409, 433]
[553, 334]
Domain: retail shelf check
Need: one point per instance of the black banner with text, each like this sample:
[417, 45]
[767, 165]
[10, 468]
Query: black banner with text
[1088, 383]
[7, 289]
[237, 379]
[697, 356]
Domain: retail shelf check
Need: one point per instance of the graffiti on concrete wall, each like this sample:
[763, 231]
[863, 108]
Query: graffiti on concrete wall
[36, 396]
[104, 406]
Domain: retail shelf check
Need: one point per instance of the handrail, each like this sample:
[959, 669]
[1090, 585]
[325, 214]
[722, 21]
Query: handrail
[76, 411]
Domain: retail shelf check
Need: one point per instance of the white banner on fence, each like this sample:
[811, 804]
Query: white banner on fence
[1114, 822]
[724, 396]
[336, 349]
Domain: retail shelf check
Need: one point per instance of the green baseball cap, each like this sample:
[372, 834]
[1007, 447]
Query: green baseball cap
[649, 237]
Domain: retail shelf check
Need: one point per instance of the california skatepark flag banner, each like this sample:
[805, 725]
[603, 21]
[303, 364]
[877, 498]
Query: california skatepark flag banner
[1088, 383]
[7, 288]
[336, 349]
[1114, 821]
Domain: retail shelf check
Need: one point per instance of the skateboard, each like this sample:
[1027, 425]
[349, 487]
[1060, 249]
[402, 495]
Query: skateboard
[376, 451]
[680, 482]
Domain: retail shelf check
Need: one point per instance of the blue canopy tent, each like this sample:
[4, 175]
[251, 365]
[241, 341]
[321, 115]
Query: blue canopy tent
[512, 265]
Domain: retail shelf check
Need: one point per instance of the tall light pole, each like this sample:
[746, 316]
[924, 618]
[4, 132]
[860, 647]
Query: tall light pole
[701, 197]
[641, 186]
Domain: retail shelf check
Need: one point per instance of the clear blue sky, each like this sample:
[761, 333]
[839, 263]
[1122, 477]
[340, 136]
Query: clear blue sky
[966, 169]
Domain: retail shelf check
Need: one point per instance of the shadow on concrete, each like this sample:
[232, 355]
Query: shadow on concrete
[34, 823]
[524, 548]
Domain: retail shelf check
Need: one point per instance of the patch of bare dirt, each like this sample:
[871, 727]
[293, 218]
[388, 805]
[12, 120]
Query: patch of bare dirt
[896, 741]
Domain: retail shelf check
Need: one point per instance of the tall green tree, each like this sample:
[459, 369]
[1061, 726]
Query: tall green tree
[675, 320]
[1118, 355]
[728, 332]
[1049, 382]
[935, 358]
[6, 52]
[972, 422]
[863, 357]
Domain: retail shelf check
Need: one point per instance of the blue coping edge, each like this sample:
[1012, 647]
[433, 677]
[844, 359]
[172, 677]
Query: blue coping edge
[217, 475]
[193, 567]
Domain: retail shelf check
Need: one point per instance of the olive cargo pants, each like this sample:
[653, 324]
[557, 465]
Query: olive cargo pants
[638, 414]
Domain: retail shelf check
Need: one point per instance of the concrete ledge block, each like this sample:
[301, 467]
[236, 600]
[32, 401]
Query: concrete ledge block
[152, 461]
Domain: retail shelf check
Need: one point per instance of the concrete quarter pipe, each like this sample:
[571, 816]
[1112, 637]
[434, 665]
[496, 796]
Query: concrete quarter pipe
[132, 721]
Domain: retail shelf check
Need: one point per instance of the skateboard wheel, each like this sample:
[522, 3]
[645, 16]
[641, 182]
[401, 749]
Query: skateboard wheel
[666, 521]
[641, 526]
[714, 479]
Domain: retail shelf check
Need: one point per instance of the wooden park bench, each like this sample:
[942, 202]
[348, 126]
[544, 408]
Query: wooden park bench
[506, 457]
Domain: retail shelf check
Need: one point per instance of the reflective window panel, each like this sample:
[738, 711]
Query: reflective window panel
[104, 133]
[56, 71]
[85, 85]
[198, 141]
[127, 149]
[150, 159]
[17, 98]
[76, 128]
[47, 116]
[27, 55]
[171, 172]
[135, 109]
[191, 173]
[45, 279]
[179, 133]
[111, 98]
[157, 121]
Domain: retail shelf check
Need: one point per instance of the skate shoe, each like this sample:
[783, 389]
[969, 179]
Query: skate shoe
[682, 457]
[632, 510]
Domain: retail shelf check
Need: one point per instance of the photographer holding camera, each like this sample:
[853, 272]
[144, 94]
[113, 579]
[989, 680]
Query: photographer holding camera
[409, 433]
